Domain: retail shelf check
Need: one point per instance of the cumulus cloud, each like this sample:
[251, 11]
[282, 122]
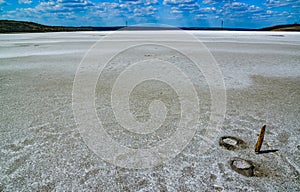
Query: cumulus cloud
[134, 12]
[180, 7]
[281, 3]
[213, 1]
[178, 2]
[176, 11]
[49, 11]
[151, 2]
[254, 9]
[192, 6]
[24, 1]
[127, 0]
[208, 9]
[236, 6]
[141, 10]
[145, 11]
[131, 2]
[65, 6]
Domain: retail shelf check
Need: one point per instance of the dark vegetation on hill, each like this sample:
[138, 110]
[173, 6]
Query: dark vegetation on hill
[10, 26]
[292, 27]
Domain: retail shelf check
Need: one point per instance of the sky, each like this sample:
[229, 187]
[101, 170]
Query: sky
[178, 13]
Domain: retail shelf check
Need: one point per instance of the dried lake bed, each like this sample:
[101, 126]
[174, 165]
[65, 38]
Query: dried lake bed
[42, 148]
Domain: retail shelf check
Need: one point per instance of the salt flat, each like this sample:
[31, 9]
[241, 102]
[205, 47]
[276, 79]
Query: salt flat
[42, 148]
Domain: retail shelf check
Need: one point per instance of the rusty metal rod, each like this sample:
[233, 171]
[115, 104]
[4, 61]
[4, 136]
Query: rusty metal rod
[260, 139]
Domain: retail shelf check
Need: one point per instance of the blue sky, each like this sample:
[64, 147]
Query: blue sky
[179, 13]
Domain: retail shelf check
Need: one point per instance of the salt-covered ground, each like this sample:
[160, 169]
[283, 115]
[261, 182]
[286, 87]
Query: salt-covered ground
[42, 148]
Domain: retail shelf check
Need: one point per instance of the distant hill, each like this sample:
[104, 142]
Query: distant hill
[11, 26]
[293, 27]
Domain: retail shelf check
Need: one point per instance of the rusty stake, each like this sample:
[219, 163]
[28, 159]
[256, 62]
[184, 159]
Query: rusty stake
[260, 139]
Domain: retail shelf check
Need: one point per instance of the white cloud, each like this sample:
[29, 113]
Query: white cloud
[151, 2]
[122, 1]
[24, 1]
[281, 3]
[177, 2]
[65, 6]
[131, 2]
[237, 6]
[117, 11]
[211, 2]
[254, 9]
[179, 7]
[60, 10]
[176, 11]
[145, 11]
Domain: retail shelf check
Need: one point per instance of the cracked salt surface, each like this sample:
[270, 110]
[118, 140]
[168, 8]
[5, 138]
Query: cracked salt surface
[41, 148]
